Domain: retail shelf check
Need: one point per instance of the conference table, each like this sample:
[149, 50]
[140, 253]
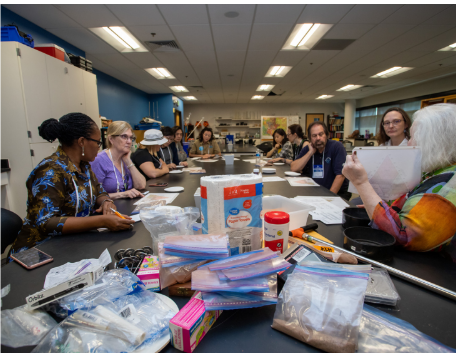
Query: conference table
[248, 330]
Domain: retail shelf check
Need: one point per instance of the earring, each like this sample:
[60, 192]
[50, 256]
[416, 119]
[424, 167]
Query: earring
[82, 150]
[405, 130]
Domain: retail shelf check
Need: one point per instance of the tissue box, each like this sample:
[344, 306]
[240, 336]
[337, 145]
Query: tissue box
[188, 327]
[149, 273]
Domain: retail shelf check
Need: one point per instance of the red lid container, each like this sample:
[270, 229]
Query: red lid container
[277, 217]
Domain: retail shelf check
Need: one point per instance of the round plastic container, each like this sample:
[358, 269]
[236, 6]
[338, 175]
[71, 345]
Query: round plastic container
[276, 228]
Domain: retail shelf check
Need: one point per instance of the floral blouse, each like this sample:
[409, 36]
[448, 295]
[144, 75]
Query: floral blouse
[52, 198]
[425, 218]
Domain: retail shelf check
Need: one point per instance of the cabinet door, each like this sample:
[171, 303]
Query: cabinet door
[42, 150]
[91, 96]
[57, 87]
[75, 89]
[36, 89]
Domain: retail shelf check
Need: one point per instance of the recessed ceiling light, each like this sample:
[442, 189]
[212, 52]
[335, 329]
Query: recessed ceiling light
[451, 47]
[265, 88]
[349, 87]
[396, 70]
[189, 98]
[324, 96]
[305, 36]
[257, 97]
[278, 71]
[160, 73]
[120, 38]
[179, 88]
[231, 14]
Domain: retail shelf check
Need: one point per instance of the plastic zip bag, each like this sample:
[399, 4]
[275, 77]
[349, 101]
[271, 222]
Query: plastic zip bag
[23, 327]
[272, 294]
[322, 308]
[380, 288]
[244, 259]
[169, 260]
[208, 281]
[336, 266]
[178, 274]
[258, 269]
[207, 246]
[232, 300]
[149, 205]
[381, 332]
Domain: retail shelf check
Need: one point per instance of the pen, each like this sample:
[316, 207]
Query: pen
[117, 213]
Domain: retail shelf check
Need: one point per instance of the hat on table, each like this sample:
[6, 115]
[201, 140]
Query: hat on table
[153, 137]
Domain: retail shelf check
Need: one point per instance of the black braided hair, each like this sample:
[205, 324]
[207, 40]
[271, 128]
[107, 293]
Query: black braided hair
[68, 128]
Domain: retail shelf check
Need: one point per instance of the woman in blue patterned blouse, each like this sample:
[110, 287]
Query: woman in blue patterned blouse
[62, 189]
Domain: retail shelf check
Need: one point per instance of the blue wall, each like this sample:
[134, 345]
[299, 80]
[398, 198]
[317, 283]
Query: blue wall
[119, 101]
[40, 35]
[165, 108]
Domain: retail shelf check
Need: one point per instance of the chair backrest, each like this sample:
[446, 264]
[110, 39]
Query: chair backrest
[11, 225]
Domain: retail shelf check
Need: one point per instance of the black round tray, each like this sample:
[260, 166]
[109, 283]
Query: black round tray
[355, 217]
[372, 243]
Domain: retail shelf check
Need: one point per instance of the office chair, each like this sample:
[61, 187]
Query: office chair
[11, 225]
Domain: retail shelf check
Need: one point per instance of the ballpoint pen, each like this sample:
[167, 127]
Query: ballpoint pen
[117, 213]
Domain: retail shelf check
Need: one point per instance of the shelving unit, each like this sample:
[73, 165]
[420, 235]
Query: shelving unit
[336, 127]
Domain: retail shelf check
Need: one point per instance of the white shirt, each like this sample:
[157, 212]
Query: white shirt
[403, 143]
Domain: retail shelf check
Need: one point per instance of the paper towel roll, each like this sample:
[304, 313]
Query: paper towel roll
[226, 207]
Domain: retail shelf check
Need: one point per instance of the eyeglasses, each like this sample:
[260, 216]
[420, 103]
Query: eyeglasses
[98, 142]
[126, 137]
[170, 138]
[320, 134]
[394, 122]
[289, 134]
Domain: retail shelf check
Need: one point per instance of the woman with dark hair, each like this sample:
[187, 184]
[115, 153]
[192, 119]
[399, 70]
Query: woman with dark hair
[205, 146]
[282, 147]
[298, 141]
[63, 190]
[394, 128]
[168, 150]
[178, 134]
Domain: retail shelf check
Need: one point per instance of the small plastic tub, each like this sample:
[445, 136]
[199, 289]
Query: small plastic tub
[297, 210]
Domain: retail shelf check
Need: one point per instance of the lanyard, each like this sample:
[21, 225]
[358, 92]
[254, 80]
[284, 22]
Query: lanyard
[322, 164]
[170, 155]
[158, 160]
[77, 197]
[114, 170]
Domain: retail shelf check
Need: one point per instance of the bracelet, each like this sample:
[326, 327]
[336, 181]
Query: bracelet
[131, 165]
[109, 200]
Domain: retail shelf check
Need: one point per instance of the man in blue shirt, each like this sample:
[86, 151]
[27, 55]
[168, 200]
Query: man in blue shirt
[323, 160]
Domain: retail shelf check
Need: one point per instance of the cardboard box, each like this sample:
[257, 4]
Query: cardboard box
[149, 273]
[71, 286]
[52, 50]
[188, 327]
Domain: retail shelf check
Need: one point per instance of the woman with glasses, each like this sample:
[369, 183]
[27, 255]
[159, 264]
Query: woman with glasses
[113, 166]
[63, 190]
[394, 128]
[168, 150]
[298, 141]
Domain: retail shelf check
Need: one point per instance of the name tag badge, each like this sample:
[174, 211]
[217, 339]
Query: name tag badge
[201, 148]
[318, 171]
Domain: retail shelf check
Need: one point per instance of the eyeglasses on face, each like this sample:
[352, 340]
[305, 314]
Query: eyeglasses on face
[315, 135]
[125, 137]
[394, 122]
[98, 142]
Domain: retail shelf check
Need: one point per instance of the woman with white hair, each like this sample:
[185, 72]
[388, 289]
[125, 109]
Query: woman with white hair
[425, 218]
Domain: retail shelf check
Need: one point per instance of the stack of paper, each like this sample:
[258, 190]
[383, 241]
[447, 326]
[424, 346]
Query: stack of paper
[301, 181]
[326, 212]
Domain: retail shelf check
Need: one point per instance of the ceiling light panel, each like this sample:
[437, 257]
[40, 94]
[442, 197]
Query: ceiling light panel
[324, 96]
[451, 47]
[349, 87]
[189, 98]
[396, 70]
[119, 38]
[305, 36]
[179, 88]
[257, 97]
[160, 73]
[278, 71]
[264, 88]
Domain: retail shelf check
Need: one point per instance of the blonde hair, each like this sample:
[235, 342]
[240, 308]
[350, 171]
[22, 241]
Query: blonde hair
[117, 128]
[149, 148]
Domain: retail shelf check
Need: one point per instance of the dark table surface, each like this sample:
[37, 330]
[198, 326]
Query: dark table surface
[239, 149]
[248, 330]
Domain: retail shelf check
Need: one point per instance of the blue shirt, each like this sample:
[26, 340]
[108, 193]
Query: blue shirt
[334, 156]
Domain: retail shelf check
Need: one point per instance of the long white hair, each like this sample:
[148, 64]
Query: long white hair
[434, 131]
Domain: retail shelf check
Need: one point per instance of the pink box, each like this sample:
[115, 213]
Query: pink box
[188, 327]
[149, 273]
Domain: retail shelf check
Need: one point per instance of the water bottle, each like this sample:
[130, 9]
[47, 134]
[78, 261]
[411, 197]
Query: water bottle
[258, 158]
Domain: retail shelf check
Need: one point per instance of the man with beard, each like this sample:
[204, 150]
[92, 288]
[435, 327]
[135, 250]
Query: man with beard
[323, 160]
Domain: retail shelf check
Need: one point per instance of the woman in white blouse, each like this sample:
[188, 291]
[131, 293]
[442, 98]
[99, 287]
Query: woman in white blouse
[394, 128]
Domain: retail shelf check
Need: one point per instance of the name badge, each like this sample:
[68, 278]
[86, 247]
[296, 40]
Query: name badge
[201, 148]
[318, 171]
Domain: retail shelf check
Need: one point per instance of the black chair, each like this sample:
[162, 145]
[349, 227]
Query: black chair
[11, 225]
[265, 147]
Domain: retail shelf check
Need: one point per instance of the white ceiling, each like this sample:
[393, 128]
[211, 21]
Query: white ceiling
[229, 57]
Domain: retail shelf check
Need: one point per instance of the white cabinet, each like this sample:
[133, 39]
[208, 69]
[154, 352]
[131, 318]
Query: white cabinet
[36, 87]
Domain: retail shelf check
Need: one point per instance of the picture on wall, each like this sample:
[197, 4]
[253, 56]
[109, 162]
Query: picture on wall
[270, 123]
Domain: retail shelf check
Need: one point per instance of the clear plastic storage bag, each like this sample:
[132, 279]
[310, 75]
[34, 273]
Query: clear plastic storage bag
[259, 269]
[206, 246]
[245, 259]
[24, 327]
[168, 221]
[178, 274]
[380, 289]
[337, 266]
[208, 281]
[322, 308]
[170, 260]
[381, 332]
[232, 300]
